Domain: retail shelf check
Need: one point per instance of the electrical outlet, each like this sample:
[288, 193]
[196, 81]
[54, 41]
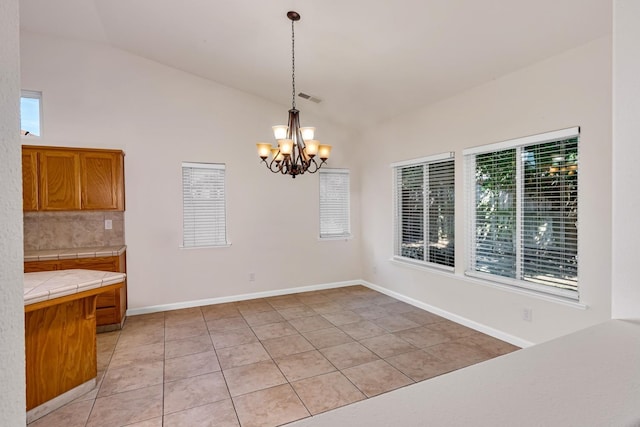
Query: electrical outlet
[252, 277]
[108, 224]
[527, 314]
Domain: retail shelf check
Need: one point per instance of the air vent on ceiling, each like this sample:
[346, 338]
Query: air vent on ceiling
[310, 97]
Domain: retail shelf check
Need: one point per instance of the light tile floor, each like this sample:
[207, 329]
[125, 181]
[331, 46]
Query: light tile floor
[268, 362]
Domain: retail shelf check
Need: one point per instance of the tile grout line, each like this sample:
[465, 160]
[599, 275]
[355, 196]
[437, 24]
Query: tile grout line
[99, 386]
[224, 377]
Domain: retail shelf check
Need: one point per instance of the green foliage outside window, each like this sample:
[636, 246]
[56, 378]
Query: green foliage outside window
[547, 244]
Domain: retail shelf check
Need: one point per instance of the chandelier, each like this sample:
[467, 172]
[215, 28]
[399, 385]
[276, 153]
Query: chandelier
[296, 150]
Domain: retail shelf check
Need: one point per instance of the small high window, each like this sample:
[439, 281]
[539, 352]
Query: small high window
[31, 113]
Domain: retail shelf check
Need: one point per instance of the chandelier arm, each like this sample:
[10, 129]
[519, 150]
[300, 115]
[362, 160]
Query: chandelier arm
[303, 159]
[292, 123]
[270, 166]
[315, 164]
[300, 141]
[285, 166]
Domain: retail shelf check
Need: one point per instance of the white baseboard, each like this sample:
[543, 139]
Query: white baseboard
[451, 316]
[435, 310]
[242, 297]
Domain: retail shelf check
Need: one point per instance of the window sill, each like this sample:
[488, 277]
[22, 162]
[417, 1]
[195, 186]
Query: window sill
[424, 266]
[527, 292]
[205, 247]
[345, 238]
[446, 271]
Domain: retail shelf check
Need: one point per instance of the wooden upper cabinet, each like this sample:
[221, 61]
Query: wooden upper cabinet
[102, 180]
[30, 180]
[59, 180]
[67, 179]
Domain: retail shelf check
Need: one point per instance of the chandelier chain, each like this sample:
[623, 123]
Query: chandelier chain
[293, 66]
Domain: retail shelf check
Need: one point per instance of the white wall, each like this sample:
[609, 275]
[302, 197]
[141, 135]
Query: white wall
[97, 96]
[571, 89]
[626, 151]
[12, 380]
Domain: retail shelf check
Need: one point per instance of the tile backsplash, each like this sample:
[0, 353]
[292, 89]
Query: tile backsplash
[74, 229]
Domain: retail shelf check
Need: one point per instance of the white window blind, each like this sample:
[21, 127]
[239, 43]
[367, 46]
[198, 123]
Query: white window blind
[203, 205]
[334, 203]
[523, 212]
[424, 211]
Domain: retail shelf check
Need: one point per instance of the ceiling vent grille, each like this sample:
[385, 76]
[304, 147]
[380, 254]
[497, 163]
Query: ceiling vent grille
[310, 97]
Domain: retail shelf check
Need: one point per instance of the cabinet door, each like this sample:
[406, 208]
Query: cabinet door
[29, 180]
[102, 180]
[59, 180]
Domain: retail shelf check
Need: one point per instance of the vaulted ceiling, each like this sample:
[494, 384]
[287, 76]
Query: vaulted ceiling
[367, 60]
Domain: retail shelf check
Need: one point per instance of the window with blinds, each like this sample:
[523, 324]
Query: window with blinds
[334, 203]
[203, 205]
[523, 212]
[424, 211]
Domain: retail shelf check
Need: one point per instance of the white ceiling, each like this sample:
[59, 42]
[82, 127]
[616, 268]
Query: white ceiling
[368, 60]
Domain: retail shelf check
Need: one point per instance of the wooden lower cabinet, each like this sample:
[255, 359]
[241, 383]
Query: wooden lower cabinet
[60, 348]
[111, 305]
[60, 344]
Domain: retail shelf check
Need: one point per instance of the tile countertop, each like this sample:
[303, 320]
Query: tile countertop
[46, 285]
[73, 253]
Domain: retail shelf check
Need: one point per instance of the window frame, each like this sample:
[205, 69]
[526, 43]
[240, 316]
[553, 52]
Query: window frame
[395, 167]
[32, 94]
[347, 233]
[518, 144]
[209, 244]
